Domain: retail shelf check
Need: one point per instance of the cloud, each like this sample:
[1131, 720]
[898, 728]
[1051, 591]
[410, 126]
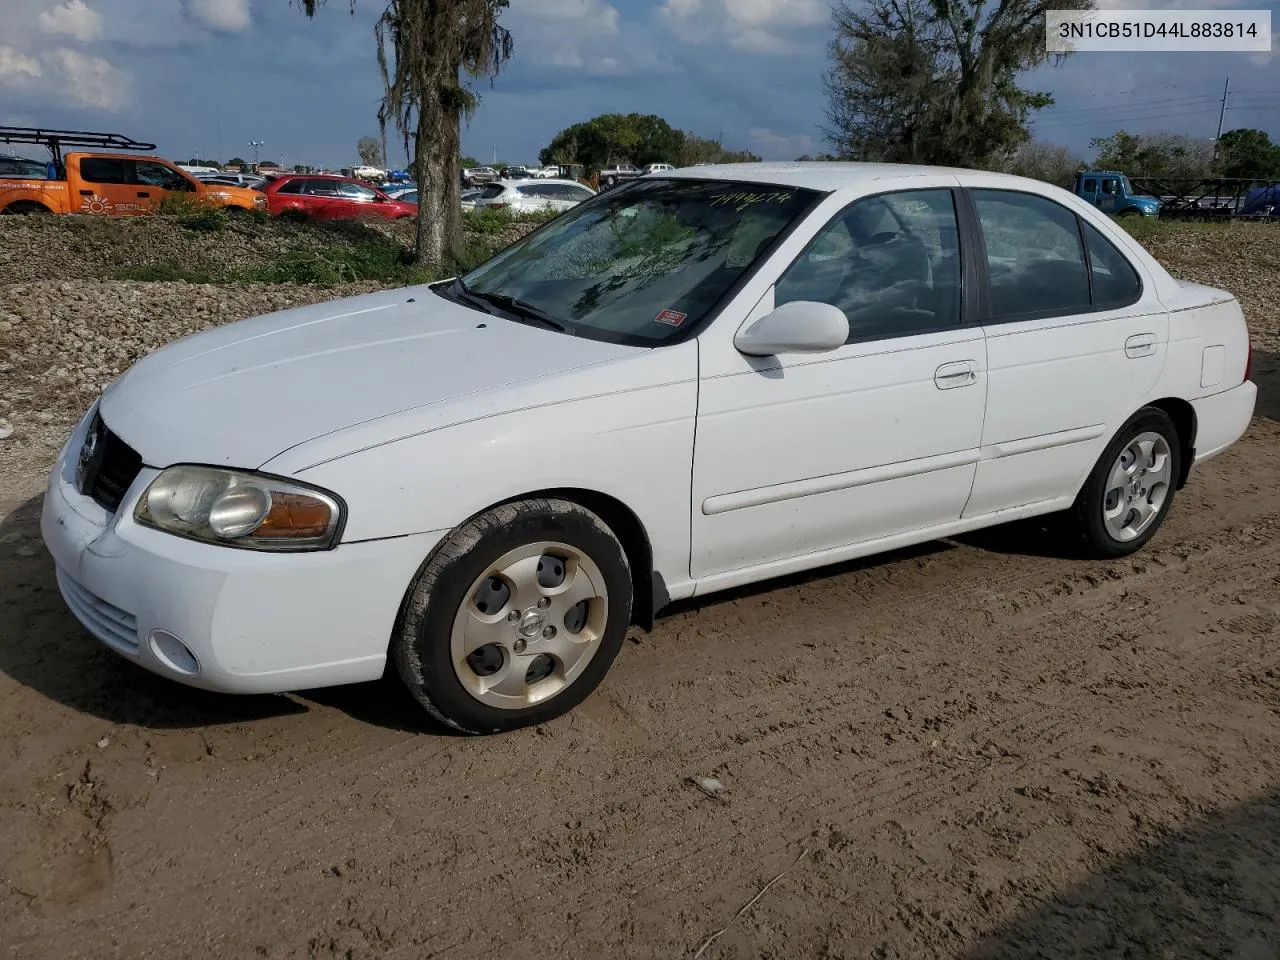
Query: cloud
[72, 19]
[16, 67]
[754, 26]
[226, 16]
[91, 81]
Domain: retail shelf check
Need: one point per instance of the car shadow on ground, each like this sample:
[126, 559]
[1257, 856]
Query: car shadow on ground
[43, 647]
[1266, 374]
[1209, 890]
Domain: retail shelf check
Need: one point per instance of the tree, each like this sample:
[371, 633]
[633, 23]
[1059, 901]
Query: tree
[370, 151]
[1248, 154]
[1167, 155]
[614, 137]
[1045, 161]
[805, 158]
[423, 48]
[467, 162]
[934, 81]
[237, 162]
[696, 149]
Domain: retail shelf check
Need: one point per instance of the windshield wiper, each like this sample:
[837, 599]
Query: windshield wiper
[517, 307]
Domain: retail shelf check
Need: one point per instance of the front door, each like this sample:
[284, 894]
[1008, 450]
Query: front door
[156, 181]
[797, 454]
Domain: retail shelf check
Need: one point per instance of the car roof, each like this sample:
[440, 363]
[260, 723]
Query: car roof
[814, 175]
[542, 180]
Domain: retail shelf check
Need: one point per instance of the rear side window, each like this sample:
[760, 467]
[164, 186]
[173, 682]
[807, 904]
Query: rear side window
[491, 191]
[1035, 259]
[1090, 186]
[103, 170]
[1115, 282]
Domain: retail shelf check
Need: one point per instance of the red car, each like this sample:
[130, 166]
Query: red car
[332, 198]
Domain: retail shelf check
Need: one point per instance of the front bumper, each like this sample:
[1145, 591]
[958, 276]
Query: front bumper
[250, 622]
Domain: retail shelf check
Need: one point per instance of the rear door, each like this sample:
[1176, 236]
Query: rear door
[1089, 190]
[323, 201]
[1076, 339]
[104, 186]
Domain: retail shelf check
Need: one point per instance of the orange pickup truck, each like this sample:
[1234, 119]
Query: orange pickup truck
[114, 184]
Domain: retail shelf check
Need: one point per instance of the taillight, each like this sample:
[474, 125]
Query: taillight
[1248, 361]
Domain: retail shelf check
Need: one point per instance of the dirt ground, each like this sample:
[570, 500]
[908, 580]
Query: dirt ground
[972, 749]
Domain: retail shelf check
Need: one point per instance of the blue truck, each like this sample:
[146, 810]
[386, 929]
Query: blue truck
[1112, 193]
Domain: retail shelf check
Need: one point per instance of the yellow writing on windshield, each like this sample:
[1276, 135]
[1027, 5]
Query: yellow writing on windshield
[742, 200]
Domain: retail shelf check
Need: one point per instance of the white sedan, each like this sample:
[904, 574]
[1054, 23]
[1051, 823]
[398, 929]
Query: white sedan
[688, 383]
[530, 196]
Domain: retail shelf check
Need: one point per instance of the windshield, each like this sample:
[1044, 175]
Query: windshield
[645, 261]
[1127, 186]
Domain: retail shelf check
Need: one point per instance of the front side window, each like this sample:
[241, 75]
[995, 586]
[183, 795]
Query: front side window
[890, 262]
[1034, 257]
[289, 186]
[1109, 186]
[356, 191]
[322, 188]
[645, 262]
[150, 174]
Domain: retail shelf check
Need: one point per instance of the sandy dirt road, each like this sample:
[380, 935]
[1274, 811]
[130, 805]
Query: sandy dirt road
[970, 749]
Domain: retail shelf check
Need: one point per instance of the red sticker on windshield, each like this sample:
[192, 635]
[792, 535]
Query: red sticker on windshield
[671, 317]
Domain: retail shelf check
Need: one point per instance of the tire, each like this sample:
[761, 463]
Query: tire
[485, 614]
[1146, 447]
[26, 207]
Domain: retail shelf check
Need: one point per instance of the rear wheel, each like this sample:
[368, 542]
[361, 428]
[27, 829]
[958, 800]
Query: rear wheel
[26, 207]
[516, 618]
[1130, 490]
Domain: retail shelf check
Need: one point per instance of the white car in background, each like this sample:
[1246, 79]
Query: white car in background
[532, 196]
[686, 385]
[656, 168]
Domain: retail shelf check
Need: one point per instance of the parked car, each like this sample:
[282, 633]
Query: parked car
[116, 185]
[656, 168]
[24, 169]
[408, 193]
[616, 173]
[477, 176]
[532, 196]
[332, 198]
[469, 197]
[689, 384]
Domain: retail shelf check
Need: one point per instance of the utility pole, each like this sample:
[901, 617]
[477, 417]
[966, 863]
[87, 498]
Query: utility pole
[1221, 116]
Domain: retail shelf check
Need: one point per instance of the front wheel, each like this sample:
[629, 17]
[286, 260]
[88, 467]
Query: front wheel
[1130, 490]
[516, 618]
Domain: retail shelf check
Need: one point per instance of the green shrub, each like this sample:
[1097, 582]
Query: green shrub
[163, 273]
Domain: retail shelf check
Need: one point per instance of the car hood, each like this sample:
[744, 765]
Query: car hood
[240, 394]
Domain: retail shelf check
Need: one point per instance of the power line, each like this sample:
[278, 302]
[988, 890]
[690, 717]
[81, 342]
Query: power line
[1085, 121]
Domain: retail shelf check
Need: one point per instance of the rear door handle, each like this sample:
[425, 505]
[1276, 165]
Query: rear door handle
[86, 193]
[1140, 345]
[143, 193]
[960, 373]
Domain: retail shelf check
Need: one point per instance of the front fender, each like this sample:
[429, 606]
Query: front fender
[634, 445]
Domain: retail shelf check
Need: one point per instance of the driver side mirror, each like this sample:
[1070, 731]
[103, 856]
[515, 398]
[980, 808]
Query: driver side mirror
[801, 326]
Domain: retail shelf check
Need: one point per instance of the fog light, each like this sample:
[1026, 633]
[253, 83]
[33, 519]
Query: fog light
[173, 653]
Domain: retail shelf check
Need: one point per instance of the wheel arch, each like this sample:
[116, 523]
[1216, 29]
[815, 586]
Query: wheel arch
[650, 589]
[27, 206]
[1183, 415]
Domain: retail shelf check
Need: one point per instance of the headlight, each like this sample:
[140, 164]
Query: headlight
[240, 509]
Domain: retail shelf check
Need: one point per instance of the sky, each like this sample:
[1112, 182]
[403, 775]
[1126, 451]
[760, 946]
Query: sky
[206, 77]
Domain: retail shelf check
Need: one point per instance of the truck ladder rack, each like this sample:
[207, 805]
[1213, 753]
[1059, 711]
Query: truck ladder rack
[55, 140]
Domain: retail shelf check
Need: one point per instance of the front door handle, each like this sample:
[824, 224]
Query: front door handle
[960, 373]
[1140, 345]
[86, 193]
